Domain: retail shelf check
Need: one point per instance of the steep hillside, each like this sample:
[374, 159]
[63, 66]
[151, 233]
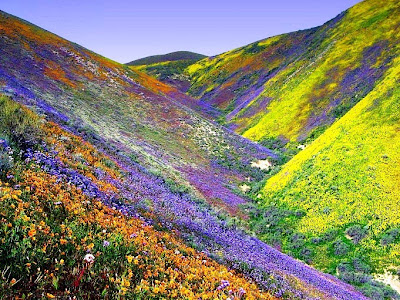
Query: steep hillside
[173, 56]
[57, 240]
[290, 88]
[337, 203]
[125, 110]
[155, 174]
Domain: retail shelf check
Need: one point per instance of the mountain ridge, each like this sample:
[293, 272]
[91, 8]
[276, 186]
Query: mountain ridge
[172, 56]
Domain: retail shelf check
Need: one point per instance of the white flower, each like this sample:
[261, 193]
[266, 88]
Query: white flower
[301, 147]
[89, 258]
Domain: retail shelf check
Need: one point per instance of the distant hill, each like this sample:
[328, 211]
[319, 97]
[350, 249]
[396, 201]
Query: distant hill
[173, 56]
[169, 68]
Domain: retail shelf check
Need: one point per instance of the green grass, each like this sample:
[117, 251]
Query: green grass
[18, 125]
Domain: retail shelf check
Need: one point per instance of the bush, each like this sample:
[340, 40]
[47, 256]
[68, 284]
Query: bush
[356, 233]
[340, 248]
[297, 241]
[390, 236]
[361, 266]
[378, 290]
[18, 124]
[355, 278]
[6, 159]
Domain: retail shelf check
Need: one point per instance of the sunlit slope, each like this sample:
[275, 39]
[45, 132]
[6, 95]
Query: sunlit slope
[339, 199]
[293, 86]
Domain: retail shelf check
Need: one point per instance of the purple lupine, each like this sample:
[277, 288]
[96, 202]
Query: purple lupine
[224, 284]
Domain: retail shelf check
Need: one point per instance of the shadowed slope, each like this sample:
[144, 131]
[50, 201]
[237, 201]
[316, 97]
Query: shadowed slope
[173, 56]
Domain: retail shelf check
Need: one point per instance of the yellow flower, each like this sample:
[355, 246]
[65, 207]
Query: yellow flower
[50, 296]
[129, 258]
[61, 261]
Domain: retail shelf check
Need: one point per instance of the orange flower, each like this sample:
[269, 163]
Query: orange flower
[63, 241]
[32, 232]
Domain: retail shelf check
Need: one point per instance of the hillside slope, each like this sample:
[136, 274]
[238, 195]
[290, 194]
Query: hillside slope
[128, 111]
[65, 232]
[69, 208]
[291, 87]
[171, 169]
[336, 204]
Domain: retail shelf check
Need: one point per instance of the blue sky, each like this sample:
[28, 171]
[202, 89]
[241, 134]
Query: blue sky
[125, 30]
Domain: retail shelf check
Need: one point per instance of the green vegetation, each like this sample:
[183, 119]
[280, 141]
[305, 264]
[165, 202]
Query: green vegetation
[18, 125]
[336, 202]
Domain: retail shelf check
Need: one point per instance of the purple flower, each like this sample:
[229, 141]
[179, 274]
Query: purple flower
[224, 284]
[106, 243]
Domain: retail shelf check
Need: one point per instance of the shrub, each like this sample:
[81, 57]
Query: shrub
[361, 266]
[378, 290]
[390, 236]
[18, 124]
[6, 152]
[340, 248]
[297, 240]
[356, 233]
[6, 159]
[355, 278]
